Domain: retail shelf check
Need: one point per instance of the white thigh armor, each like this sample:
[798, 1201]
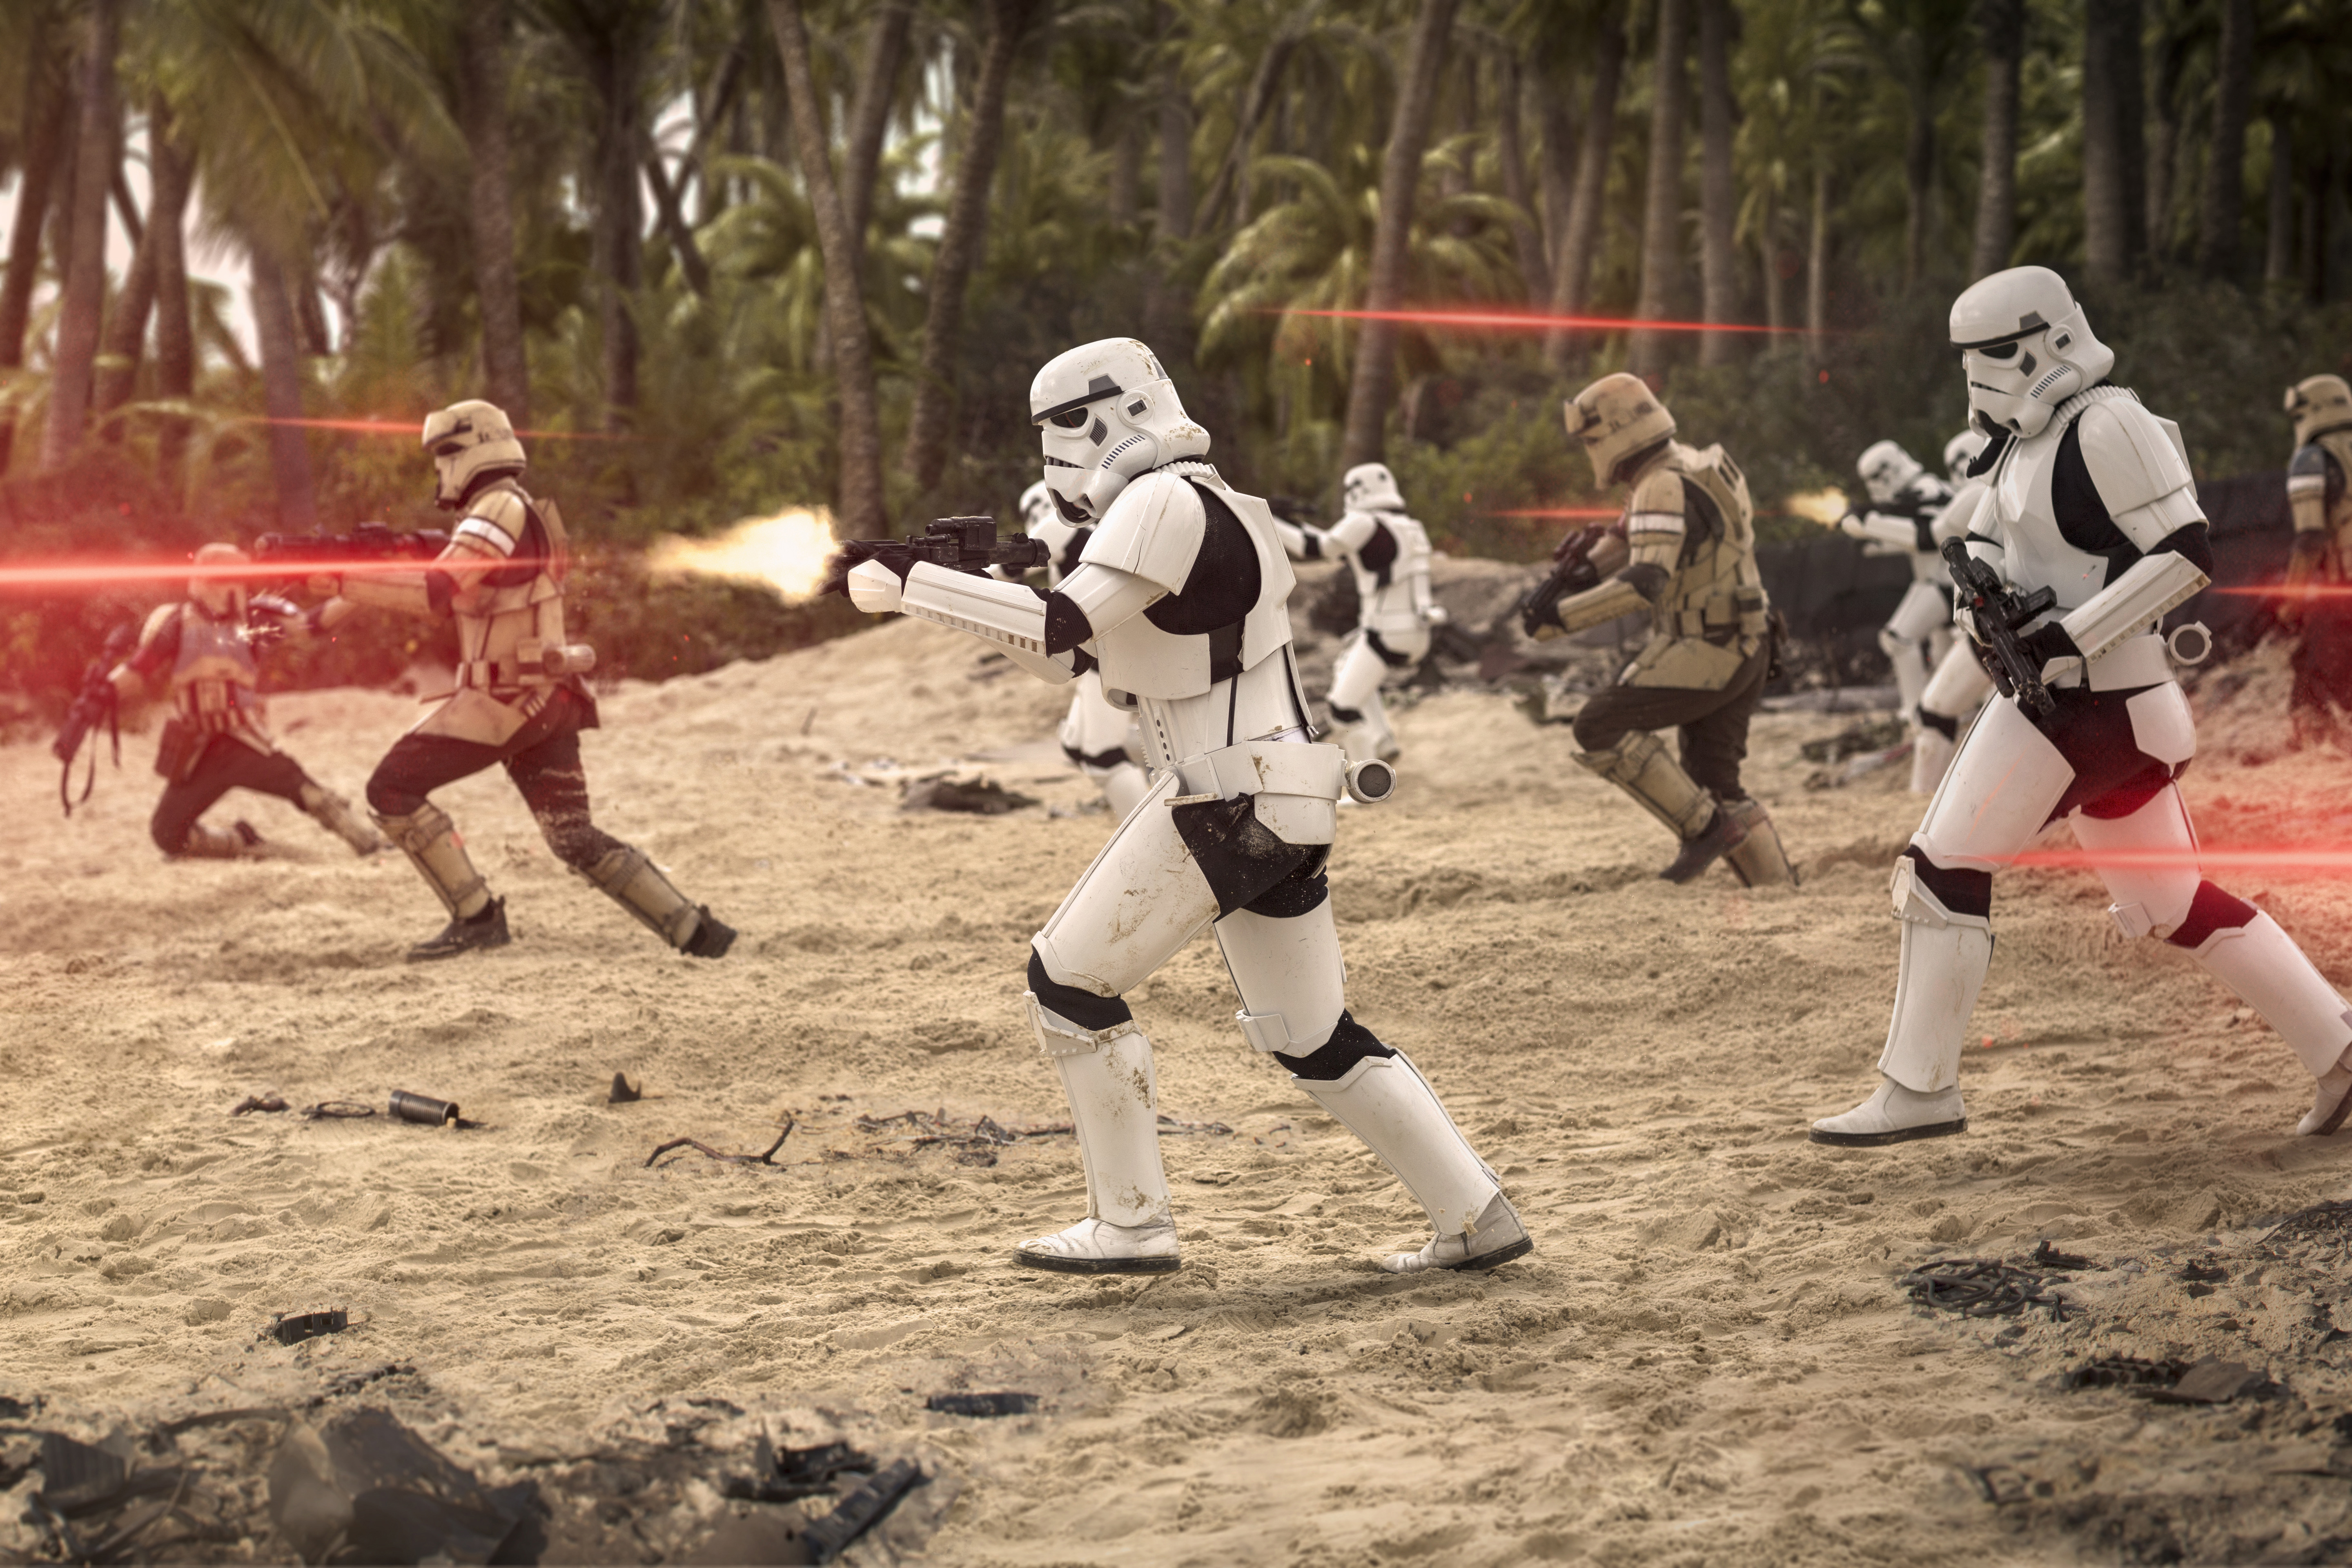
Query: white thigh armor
[1997, 795]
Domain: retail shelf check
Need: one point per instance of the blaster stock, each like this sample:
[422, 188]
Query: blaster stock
[959, 543]
[1572, 571]
[96, 703]
[297, 553]
[1998, 613]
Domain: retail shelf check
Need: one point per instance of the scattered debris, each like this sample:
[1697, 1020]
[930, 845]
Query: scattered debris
[1171, 1128]
[2211, 1382]
[80, 1480]
[1980, 1287]
[975, 1143]
[15, 1409]
[1854, 739]
[2047, 1256]
[2001, 1484]
[986, 1406]
[251, 1102]
[342, 1110]
[982, 797]
[2326, 1221]
[622, 1094]
[2202, 1271]
[860, 1511]
[422, 1109]
[766, 1157]
[293, 1327]
[2123, 1372]
[796, 1473]
[369, 1490]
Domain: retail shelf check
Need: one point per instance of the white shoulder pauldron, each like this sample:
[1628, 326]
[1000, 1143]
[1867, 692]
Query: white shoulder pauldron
[1153, 530]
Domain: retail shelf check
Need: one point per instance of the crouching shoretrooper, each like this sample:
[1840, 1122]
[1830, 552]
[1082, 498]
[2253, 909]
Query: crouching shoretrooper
[217, 738]
[2090, 518]
[1097, 735]
[2320, 706]
[1179, 599]
[1683, 553]
[1388, 552]
[518, 701]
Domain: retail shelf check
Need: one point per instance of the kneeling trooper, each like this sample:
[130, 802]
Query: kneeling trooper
[1388, 551]
[1179, 599]
[2090, 496]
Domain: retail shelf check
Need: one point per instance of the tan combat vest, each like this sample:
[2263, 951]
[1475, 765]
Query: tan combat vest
[1713, 615]
[505, 632]
[214, 681]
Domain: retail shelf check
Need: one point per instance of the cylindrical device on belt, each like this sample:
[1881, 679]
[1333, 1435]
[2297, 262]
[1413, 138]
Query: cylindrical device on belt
[423, 1108]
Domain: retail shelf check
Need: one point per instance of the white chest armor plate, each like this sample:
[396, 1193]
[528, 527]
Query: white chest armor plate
[2034, 553]
[1397, 607]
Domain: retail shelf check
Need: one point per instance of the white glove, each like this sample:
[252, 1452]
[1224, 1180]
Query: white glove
[1434, 615]
[874, 588]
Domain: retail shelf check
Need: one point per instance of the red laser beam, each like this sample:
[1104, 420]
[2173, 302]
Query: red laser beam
[1582, 511]
[2273, 858]
[1529, 322]
[98, 573]
[2281, 591]
[410, 429]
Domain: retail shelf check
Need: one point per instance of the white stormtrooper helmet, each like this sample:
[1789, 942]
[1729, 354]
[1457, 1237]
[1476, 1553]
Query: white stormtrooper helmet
[1106, 411]
[1885, 468]
[2026, 348]
[1036, 507]
[1370, 487]
[470, 441]
[221, 598]
[1960, 452]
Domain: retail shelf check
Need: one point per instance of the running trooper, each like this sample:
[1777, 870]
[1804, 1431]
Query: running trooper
[2321, 702]
[1388, 552]
[1100, 739]
[1960, 683]
[1900, 519]
[1684, 553]
[2090, 496]
[1179, 599]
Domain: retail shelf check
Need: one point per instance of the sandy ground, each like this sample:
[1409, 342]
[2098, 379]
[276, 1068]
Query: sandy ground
[1708, 1359]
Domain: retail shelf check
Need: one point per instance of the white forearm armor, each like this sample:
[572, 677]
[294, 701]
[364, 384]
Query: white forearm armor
[1005, 613]
[2154, 587]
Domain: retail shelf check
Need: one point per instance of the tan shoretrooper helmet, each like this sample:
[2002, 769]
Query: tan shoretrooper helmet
[2319, 404]
[221, 598]
[1618, 418]
[469, 441]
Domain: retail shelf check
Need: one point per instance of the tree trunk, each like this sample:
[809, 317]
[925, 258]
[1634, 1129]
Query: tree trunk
[1719, 257]
[2107, 215]
[1374, 383]
[960, 245]
[85, 285]
[172, 171]
[1581, 235]
[281, 386]
[1166, 320]
[2219, 240]
[869, 117]
[1767, 251]
[2319, 184]
[482, 102]
[2002, 24]
[1232, 174]
[2164, 151]
[859, 513]
[125, 334]
[1525, 240]
[1817, 270]
[617, 245]
[1127, 170]
[2278, 248]
[2131, 123]
[49, 117]
[1548, 97]
[1919, 182]
[1662, 213]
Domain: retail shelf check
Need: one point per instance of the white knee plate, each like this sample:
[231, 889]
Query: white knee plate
[1292, 984]
[1995, 796]
[2270, 973]
[2150, 901]
[2161, 724]
[1921, 613]
[1944, 956]
[1140, 900]
[1057, 1037]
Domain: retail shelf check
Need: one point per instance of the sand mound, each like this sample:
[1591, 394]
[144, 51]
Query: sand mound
[1708, 1358]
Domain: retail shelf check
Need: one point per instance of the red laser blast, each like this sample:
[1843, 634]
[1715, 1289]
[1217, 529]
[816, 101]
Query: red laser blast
[1585, 512]
[2318, 859]
[97, 574]
[410, 428]
[1529, 322]
[2281, 591]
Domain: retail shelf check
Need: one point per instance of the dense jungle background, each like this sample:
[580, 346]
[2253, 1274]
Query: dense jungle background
[730, 257]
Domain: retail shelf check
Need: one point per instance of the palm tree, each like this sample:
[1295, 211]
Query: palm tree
[2219, 219]
[1719, 279]
[47, 121]
[1573, 250]
[2001, 23]
[2113, 159]
[95, 151]
[1662, 207]
[490, 208]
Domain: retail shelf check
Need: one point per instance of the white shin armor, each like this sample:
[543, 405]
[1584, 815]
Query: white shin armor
[1385, 1101]
[1641, 766]
[429, 839]
[2270, 973]
[1944, 956]
[1114, 1106]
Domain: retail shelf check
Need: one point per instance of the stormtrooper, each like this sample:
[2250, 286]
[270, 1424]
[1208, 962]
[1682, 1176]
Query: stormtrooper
[1905, 502]
[1684, 553]
[519, 699]
[217, 738]
[1178, 599]
[2320, 699]
[1100, 739]
[1388, 552]
[1959, 682]
[2089, 495]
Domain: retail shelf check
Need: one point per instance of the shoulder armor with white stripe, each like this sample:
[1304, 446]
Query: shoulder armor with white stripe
[497, 519]
[1153, 530]
[2309, 463]
[1659, 490]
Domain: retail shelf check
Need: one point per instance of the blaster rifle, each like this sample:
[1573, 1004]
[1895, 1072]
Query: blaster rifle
[1998, 613]
[1572, 571]
[96, 703]
[297, 553]
[959, 543]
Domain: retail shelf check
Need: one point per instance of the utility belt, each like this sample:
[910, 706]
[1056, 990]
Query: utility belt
[207, 706]
[535, 663]
[1725, 618]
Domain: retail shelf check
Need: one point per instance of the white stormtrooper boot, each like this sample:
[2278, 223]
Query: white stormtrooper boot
[2270, 973]
[1114, 1106]
[1944, 956]
[1385, 1101]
